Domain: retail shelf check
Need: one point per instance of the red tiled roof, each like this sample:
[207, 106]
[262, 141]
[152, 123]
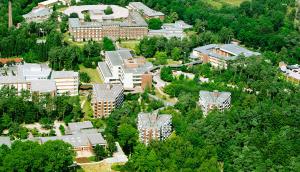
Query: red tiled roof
[6, 60]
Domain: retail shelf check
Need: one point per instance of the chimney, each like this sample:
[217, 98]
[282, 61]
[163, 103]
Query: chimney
[10, 22]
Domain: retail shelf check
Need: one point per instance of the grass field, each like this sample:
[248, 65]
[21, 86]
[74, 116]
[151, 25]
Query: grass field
[129, 44]
[220, 3]
[93, 73]
[86, 108]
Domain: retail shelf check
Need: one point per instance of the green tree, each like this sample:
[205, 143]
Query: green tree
[100, 152]
[108, 44]
[154, 23]
[108, 10]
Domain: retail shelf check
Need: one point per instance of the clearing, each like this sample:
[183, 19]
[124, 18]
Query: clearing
[93, 73]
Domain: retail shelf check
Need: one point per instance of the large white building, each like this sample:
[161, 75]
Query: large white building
[38, 14]
[66, 82]
[152, 126]
[214, 100]
[106, 97]
[121, 67]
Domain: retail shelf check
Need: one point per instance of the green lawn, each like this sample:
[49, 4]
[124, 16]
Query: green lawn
[93, 73]
[219, 3]
[87, 108]
[129, 44]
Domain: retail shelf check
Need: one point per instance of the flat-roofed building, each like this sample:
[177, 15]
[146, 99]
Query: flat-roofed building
[18, 82]
[38, 14]
[34, 71]
[121, 67]
[292, 72]
[66, 82]
[106, 97]
[170, 30]
[132, 27]
[152, 126]
[214, 100]
[4, 140]
[43, 87]
[78, 127]
[147, 12]
[218, 55]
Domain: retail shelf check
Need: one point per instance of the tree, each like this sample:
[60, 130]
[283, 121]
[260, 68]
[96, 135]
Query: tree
[160, 58]
[166, 74]
[154, 23]
[100, 152]
[84, 77]
[176, 53]
[73, 15]
[127, 137]
[108, 44]
[87, 17]
[108, 10]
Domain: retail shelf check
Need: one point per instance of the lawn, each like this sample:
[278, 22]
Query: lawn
[129, 44]
[93, 73]
[220, 3]
[86, 107]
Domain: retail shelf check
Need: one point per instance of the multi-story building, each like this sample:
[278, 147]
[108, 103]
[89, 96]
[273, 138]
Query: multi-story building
[214, 100]
[292, 72]
[106, 97]
[33, 71]
[147, 12]
[121, 67]
[17, 82]
[218, 55]
[38, 14]
[66, 82]
[170, 30]
[154, 127]
[121, 24]
[43, 87]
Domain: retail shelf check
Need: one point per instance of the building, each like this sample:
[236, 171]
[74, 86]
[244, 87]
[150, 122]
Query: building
[33, 71]
[292, 72]
[43, 87]
[147, 12]
[121, 67]
[152, 126]
[122, 24]
[15, 81]
[218, 55]
[106, 97]
[8, 61]
[214, 100]
[51, 3]
[5, 141]
[66, 82]
[82, 136]
[170, 30]
[38, 15]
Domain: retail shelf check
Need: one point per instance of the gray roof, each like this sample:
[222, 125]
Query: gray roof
[12, 79]
[43, 86]
[76, 127]
[38, 12]
[5, 141]
[35, 70]
[104, 69]
[117, 59]
[233, 49]
[145, 9]
[78, 140]
[177, 25]
[214, 97]
[153, 120]
[106, 92]
[64, 74]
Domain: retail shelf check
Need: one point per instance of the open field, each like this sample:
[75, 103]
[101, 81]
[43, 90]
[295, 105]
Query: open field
[129, 44]
[93, 73]
[220, 3]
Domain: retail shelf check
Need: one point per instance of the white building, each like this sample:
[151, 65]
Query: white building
[154, 127]
[121, 67]
[214, 100]
[106, 97]
[147, 12]
[66, 82]
[14, 81]
[38, 14]
[33, 71]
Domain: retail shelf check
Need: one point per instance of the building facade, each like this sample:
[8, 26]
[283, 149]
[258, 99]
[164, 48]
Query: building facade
[214, 100]
[66, 82]
[105, 98]
[152, 126]
[38, 14]
[219, 55]
[292, 72]
[121, 67]
[133, 27]
[144, 10]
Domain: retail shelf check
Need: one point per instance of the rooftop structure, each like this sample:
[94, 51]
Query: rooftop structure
[214, 100]
[106, 97]
[38, 14]
[217, 54]
[50, 3]
[154, 126]
[33, 71]
[5, 141]
[170, 30]
[77, 127]
[145, 10]
[97, 12]
[132, 27]
[120, 66]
